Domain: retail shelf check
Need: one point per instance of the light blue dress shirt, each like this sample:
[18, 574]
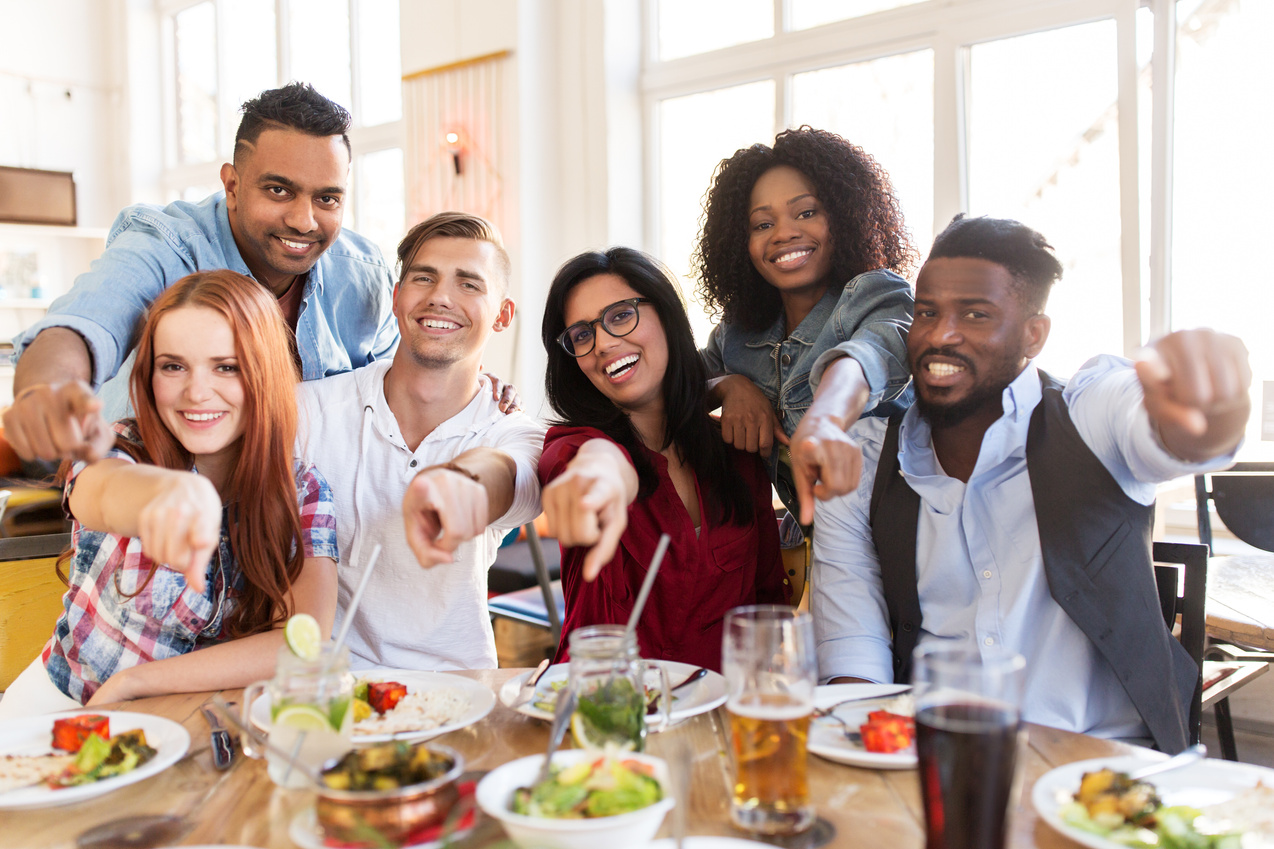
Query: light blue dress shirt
[979, 568]
[345, 318]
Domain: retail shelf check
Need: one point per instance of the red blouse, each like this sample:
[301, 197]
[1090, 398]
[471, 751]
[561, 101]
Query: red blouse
[701, 578]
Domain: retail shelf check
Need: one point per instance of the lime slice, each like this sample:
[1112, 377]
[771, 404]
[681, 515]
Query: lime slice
[303, 718]
[580, 728]
[303, 636]
[338, 709]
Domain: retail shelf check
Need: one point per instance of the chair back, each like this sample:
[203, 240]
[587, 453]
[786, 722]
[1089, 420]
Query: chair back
[1244, 500]
[30, 599]
[1170, 558]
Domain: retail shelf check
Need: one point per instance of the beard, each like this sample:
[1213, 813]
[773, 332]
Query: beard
[986, 394]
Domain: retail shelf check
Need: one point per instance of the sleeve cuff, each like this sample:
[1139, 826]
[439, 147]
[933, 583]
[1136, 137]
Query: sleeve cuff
[101, 344]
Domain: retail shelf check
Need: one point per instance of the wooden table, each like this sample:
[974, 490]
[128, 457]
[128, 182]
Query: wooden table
[241, 806]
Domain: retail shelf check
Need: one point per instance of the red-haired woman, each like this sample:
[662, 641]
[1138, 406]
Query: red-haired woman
[198, 535]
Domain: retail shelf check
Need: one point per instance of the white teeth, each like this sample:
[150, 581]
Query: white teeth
[202, 417]
[944, 369]
[439, 324]
[296, 246]
[616, 366]
[791, 255]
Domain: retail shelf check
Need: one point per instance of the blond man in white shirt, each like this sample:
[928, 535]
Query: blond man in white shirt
[421, 442]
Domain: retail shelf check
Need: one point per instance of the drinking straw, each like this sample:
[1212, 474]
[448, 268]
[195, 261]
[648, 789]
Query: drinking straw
[660, 551]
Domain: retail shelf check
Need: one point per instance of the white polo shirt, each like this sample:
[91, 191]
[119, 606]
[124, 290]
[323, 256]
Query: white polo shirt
[410, 617]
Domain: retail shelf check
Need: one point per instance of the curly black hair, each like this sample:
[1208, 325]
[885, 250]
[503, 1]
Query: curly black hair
[863, 212]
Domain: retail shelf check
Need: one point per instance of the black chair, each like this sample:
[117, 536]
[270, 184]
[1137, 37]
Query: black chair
[1190, 605]
[1244, 499]
[541, 605]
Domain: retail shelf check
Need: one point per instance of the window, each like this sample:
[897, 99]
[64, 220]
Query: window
[1023, 108]
[347, 49]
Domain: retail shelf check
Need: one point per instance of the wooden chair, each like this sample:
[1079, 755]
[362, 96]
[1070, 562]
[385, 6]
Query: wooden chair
[30, 599]
[1216, 679]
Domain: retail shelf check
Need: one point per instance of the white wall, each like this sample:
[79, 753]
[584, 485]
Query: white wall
[62, 96]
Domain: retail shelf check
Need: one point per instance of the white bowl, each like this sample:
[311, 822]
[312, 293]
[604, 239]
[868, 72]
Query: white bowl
[495, 796]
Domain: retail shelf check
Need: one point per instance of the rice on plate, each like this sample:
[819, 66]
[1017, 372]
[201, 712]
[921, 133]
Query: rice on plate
[420, 711]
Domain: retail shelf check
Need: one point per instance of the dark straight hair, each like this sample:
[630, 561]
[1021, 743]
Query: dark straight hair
[687, 425]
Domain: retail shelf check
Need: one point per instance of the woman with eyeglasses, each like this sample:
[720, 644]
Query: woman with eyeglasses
[635, 455]
[197, 535]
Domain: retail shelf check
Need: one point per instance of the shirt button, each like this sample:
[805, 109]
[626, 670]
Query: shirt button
[986, 573]
[413, 465]
[989, 641]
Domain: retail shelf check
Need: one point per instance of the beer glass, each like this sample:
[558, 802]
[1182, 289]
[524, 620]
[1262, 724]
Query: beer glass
[968, 721]
[770, 672]
[310, 712]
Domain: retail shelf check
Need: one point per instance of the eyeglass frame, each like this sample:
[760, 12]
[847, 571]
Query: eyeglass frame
[564, 340]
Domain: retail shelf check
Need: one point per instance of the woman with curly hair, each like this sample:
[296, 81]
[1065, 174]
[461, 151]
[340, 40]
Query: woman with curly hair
[800, 254]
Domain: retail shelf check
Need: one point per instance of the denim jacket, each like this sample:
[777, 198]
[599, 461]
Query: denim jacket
[867, 319]
[345, 318]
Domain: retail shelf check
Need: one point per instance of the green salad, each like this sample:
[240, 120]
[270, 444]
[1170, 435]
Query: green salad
[1125, 811]
[603, 787]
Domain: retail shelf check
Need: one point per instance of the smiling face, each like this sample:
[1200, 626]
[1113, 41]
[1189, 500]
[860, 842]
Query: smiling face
[629, 370]
[790, 239]
[285, 195]
[198, 388]
[450, 300]
[972, 335]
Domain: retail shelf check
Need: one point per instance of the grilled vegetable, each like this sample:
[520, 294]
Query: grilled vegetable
[384, 696]
[886, 732]
[387, 766]
[69, 734]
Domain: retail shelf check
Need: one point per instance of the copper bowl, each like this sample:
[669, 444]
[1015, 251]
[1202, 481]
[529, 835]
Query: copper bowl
[349, 815]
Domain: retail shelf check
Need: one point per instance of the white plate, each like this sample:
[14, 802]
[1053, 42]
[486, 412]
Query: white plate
[1204, 783]
[32, 735]
[305, 832]
[481, 701]
[827, 736]
[709, 842]
[700, 697]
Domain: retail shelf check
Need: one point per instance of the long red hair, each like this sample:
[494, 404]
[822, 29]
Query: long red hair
[265, 521]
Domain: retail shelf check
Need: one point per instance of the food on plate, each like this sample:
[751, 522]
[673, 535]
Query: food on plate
[1251, 813]
[387, 766]
[99, 758]
[1128, 812]
[604, 787]
[886, 733]
[17, 771]
[384, 696]
[70, 732]
[392, 709]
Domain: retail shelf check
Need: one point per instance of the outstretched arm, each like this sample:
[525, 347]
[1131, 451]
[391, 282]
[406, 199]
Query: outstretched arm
[588, 503]
[235, 663]
[177, 515]
[1196, 392]
[453, 502]
[826, 463]
[55, 414]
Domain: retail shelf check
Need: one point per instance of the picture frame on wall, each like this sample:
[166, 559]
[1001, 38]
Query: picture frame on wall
[35, 196]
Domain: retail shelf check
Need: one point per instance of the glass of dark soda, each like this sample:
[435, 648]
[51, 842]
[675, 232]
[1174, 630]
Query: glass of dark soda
[968, 721]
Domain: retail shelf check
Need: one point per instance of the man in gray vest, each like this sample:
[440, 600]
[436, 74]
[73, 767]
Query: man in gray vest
[1008, 511]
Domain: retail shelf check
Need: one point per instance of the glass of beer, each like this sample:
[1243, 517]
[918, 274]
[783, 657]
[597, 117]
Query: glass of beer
[968, 723]
[770, 672]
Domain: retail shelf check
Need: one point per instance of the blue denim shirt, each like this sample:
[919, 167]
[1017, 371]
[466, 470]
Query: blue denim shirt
[867, 319]
[345, 318]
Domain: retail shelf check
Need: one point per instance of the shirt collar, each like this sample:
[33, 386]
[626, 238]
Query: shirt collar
[807, 332]
[481, 411]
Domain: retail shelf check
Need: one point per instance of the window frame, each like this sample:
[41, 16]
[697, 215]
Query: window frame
[949, 28]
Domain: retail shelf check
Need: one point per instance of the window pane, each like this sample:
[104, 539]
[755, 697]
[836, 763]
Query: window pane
[380, 86]
[380, 211]
[254, 67]
[884, 106]
[687, 27]
[1222, 182]
[196, 46]
[1044, 149]
[320, 47]
[695, 133]
[812, 13]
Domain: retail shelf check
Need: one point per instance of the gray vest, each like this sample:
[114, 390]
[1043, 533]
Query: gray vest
[1095, 543]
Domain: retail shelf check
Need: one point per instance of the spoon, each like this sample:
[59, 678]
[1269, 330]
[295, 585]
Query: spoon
[527, 693]
[561, 718]
[1183, 758]
[653, 706]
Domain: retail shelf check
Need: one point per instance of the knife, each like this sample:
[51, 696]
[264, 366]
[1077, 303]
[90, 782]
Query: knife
[222, 743]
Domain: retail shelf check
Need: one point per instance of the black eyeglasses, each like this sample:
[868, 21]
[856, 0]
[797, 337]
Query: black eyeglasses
[619, 319]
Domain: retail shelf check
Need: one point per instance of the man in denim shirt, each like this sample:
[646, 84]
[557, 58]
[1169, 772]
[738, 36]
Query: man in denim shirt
[278, 221]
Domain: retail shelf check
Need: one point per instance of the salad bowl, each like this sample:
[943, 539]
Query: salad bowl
[623, 831]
